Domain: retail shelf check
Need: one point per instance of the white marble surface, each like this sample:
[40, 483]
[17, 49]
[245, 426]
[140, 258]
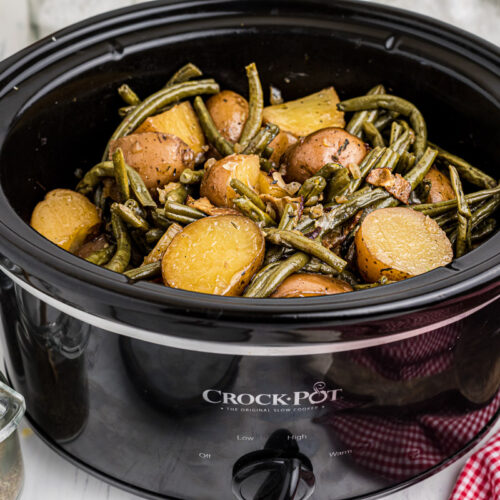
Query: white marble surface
[47, 475]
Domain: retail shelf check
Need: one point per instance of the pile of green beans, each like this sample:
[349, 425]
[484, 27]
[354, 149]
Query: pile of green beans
[331, 203]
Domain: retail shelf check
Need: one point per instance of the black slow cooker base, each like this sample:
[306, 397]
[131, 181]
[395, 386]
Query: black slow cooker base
[150, 495]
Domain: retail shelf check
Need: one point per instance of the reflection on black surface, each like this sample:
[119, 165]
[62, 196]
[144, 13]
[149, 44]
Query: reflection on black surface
[52, 348]
[174, 380]
[422, 400]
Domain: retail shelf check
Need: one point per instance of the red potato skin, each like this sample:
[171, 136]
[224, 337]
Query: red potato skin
[324, 146]
[310, 285]
[158, 158]
[441, 189]
[229, 111]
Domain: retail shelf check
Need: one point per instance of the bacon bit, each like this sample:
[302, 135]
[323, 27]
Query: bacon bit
[333, 239]
[204, 205]
[354, 170]
[316, 212]
[341, 199]
[397, 185]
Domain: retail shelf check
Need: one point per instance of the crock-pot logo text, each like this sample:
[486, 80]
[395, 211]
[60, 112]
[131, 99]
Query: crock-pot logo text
[317, 396]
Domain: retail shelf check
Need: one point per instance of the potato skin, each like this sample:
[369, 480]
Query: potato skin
[327, 145]
[215, 184]
[66, 218]
[229, 111]
[310, 285]
[409, 244]
[280, 144]
[441, 189]
[159, 158]
[217, 255]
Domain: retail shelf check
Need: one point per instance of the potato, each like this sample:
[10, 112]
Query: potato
[215, 184]
[66, 218]
[310, 285]
[229, 111]
[268, 185]
[217, 255]
[327, 145]
[400, 243]
[307, 115]
[181, 121]
[159, 158]
[441, 189]
[280, 144]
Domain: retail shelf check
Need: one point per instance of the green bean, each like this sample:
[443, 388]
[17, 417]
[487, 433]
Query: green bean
[98, 199]
[286, 268]
[419, 171]
[246, 191]
[274, 253]
[403, 142]
[252, 211]
[396, 131]
[214, 137]
[158, 100]
[147, 271]
[101, 257]
[181, 219]
[171, 207]
[255, 108]
[433, 209]
[159, 219]
[266, 165]
[467, 171]
[373, 135]
[260, 141]
[135, 207]
[444, 219]
[355, 124]
[287, 217]
[267, 153]
[128, 95]
[139, 188]
[260, 279]
[179, 194]
[406, 162]
[121, 176]
[121, 258]
[189, 176]
[125, 110]
[373, 159]
[94, 176]
[482, 230]
[328, 170]
[275, 96]
[130, 217]
[382, 281]
[304, 244]
[311, 189]
[187, 72]
[153, 235]
[337, 185]
[393, 103]
[463, 243]
[384, 119]
[315, 265]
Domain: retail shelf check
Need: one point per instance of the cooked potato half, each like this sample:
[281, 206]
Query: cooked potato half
[217, 255]
[229, 111]
[66, 218]
[181, 121]
[400, 243]
[328, 145]
[306, 115]
[159, 158]
[310, 285]
[441, 189]
[280, 144]
[215, 184]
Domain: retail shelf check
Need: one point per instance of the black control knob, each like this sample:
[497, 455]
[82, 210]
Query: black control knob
[278, 472]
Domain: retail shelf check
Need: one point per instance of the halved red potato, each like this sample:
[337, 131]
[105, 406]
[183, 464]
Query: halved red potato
[217, 255]
[310, 285]
[400, 243]
[229, 112]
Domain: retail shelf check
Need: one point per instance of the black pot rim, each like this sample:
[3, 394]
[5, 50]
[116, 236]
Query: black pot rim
[22, 244]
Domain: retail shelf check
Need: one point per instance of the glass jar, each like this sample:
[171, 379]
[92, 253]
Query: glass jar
[12, 408]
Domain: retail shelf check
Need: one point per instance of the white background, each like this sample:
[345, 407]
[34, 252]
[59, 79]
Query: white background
[47, 475]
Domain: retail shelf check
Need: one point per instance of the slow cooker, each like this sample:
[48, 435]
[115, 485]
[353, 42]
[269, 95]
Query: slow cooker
[173, 394]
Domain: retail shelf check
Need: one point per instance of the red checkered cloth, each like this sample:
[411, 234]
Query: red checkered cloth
[480, 478]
